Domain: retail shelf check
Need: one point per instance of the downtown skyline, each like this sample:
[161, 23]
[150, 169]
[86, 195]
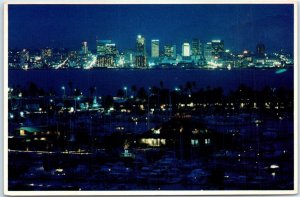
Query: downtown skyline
[241, 26]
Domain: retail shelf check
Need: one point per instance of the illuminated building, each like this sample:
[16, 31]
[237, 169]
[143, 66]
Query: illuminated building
[154, 48]
[196, 47]
[183, 135]
[217, 48]
[170, 51]
[140, 59]
[208, 51]
[105, 61]
[186, 49]
[141, 45]
[106, 47]
[129, 58]
[84, 48]
[106, 53]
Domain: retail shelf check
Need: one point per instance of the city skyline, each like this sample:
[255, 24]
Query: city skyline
[242, 26]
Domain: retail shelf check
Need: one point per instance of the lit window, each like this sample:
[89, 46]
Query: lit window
[194, 142]
[207, 141]
[22, 132]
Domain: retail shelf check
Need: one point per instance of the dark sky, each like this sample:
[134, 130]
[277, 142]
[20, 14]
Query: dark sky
[240, 26]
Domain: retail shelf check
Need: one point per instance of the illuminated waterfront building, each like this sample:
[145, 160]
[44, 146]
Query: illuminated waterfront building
[141, 59]
[106, 53]
[105, 61]
[217, 48]
[186, 49]
[141, 45]
[154, 48]
[196, 47]
[170, 51]
[208, 51]
[106, 47]
[84, 48]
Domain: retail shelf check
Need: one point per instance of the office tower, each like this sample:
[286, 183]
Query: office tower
[196, 47]
[217, 48]
[101, 46]
[106, 53]
[84, 48]
[154, 48]
[170, 51]
[140, 59]
[208, 51]
[260, 49]
[141, 45]
[186, 49]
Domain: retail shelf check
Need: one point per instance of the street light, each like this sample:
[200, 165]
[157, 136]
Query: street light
[125, 89]
[64, 89]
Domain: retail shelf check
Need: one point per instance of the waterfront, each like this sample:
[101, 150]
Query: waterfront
[109, 81]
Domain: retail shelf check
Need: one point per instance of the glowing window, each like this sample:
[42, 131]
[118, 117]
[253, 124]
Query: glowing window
[22, 132]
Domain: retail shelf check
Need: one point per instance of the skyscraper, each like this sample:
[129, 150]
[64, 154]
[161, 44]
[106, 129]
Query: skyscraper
[141, 45]
[170, 51]
[101, 46]
[208, 52]
[154, 48]
[84, 48]
[107, 52]
[196, 47]
[186, 49]
[140, 59]
[217, 48]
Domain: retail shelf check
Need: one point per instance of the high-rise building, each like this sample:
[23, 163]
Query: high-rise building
[260, 49]
[217, 48]
[105, 61]
[140, 59]
[208, 51]
[196, 47]
[186, 49]
[84, 48]
[106, 53]
[170, 51]
[154, 48]
[141, 45]
[105, 47]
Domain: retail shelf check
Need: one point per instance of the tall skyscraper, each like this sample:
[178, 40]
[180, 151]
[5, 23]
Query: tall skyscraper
[217, 48]
[154, 48]
[186, 49]
[140, 58]
[196, 47]
[84, 48]
[141, 45]
[208, 51]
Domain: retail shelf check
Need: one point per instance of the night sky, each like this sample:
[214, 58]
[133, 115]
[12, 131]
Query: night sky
[240, 26]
